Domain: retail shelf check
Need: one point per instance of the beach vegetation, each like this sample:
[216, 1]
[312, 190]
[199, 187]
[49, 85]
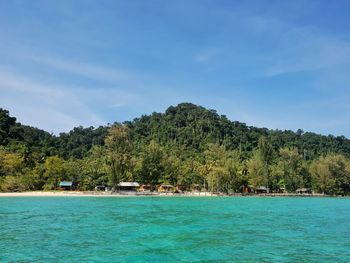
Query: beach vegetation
[187, 145]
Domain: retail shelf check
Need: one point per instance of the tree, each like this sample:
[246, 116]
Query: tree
[235, 171]
[11, 169]
[189, 173]
[6, 123]
[152, 167]
[55, 170]
[291, 162]
[10, 163]
[221, 170]
[95, 169]
[266, 155]
[118, 153]
[331, 174]
[256, 170]
[173, 170]
[259, 165]
[187, 144]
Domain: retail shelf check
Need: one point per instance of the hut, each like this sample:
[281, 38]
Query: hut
[103, 188]
[145, 188]
[261, 190]
[281, 190]
[303, 191]
[180, 188]
[196, 188]
[128, 186]
[166, 188]
[245, 189]
[66, 185]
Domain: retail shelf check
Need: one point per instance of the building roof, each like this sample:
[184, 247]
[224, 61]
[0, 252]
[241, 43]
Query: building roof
[131, 184]
[66, 183]
[166, 185]
[303, 189]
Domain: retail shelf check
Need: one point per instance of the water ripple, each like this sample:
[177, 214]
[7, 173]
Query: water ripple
[154, 229]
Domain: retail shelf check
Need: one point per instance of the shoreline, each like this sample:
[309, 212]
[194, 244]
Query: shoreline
[115, 194]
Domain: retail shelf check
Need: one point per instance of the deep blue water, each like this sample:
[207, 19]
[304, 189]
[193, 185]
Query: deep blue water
[161, 229]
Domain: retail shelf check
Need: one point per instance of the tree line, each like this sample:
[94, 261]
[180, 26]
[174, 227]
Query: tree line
[187, 145]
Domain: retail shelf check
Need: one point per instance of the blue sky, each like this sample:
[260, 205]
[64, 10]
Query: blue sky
[275, 64]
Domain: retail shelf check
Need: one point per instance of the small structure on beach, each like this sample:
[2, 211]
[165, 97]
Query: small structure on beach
[281, 190]
[166, 188]
[180, 188]
[65, 185]
[145, 188]
[262, 190]
[246, 189]
[303, 191]
[196, 188]
[128, 186]
[103, 188]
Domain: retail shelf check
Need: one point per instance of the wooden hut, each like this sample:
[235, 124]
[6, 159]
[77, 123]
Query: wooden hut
[103, 188]
[166, 188]
[180, 188]
[145, 188]
[246, 189]
[303, 191]
[128, 186]
[66, 185]
[261, 190]
[281, 190]
[196, 188]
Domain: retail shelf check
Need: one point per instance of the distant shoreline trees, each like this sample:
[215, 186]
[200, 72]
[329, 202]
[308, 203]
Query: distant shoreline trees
[187, 145]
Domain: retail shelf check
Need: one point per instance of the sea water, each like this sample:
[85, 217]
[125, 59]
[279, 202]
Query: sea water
[174, 229]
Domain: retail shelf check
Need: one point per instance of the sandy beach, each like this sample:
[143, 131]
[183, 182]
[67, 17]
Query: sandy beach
[59, 193]
[115, 194]
[97, 194]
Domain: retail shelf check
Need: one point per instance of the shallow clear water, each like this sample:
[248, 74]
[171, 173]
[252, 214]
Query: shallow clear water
[160, 229]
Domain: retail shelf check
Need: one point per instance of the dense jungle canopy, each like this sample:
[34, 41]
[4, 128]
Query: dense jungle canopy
[187, 145]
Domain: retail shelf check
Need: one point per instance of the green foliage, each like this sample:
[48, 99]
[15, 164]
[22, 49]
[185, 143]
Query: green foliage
[256, 170]
[78, 142]
[55, 170]
[291, 164]
[152, 167]
[10, 163]
[331, 174]
[187, 145]
[118, 153]
[95, 169]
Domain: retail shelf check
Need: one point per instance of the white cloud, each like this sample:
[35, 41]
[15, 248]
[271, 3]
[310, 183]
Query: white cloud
[86, 70]
[299, 48]
[314, 54]
[57, 107]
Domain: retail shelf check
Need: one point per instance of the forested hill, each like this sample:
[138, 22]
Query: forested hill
[16, 136]
[187, 145]
[194, 127]
[186, 125]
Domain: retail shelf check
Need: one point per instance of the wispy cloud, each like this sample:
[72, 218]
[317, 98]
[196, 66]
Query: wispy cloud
[268, 61]
[90, 71]
[315, 53]
[299, 47]
[56, 107]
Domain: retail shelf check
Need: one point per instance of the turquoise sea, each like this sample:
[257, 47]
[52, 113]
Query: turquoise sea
[173, 229]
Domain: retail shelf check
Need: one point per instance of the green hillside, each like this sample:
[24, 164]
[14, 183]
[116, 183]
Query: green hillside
[187, 144]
